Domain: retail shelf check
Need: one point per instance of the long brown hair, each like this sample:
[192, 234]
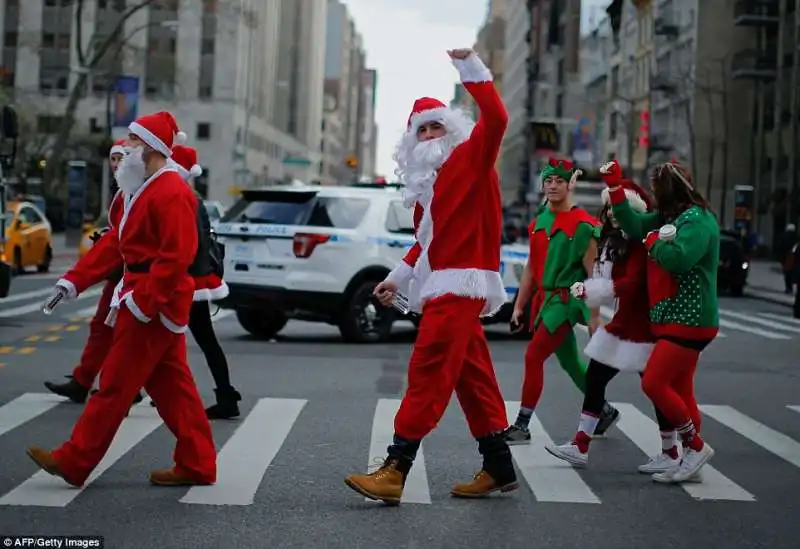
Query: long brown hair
[612, 245]
[674, 191]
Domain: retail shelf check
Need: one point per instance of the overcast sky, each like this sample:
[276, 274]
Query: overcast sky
[407, 42]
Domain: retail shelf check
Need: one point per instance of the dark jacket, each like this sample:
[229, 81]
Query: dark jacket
[202, 265]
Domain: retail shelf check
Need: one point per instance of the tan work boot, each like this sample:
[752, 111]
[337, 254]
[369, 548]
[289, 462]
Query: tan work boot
[170, 477]
[385, 484]
[481, 486]
[45, 460]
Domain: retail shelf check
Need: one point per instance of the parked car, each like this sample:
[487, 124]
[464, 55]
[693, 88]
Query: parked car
[734, 264]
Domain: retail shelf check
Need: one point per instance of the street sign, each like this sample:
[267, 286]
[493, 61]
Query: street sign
[296, 161]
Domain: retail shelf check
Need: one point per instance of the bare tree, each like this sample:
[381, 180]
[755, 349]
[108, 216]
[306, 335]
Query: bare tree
[88, 59]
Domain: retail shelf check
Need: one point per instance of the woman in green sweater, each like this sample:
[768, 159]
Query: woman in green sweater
[682, 239]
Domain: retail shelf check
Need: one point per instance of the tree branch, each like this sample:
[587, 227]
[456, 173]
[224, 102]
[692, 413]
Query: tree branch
[79, 34]
[116, 32]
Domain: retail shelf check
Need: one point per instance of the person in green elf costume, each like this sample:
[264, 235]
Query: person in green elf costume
[682, 240]
[563, 250]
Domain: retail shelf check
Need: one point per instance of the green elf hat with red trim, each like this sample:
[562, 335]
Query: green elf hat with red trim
[558, 167]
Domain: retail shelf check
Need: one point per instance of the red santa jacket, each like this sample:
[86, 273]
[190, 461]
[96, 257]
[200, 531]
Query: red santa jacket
[155, 240]
[626, 281]
[460, 230]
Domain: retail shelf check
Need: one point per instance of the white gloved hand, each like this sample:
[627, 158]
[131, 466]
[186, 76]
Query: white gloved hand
[667, 232]
[578, 290]
[606, 168]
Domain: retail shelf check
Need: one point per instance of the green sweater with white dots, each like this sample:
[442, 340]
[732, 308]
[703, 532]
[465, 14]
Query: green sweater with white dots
[682, 273]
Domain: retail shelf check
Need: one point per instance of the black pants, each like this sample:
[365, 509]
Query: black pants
[797, 303]
[598, 376]
[789, 281]
[203, 332]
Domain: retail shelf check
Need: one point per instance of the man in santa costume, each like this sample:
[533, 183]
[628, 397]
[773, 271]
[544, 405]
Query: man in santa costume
[209, 287]
[100, 334]
[563, 250]
[450, 275]
[625, 343]
[154, 243]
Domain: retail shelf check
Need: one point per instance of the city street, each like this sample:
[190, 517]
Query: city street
[315, 409]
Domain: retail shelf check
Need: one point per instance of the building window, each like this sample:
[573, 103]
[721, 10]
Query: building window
[207, 47]
[206, 92]
[203, 130]
[11, 40]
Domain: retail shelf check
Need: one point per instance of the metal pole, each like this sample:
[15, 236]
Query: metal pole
[105, 190]
[248, 84]
[777, 155]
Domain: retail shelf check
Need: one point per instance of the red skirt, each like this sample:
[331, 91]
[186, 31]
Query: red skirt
[210, 288]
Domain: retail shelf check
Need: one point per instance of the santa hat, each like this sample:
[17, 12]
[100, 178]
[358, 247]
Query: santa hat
[185, 159]
[558, 167]
[117, 148]
[426, 109]
[637, 197]
[160, 131]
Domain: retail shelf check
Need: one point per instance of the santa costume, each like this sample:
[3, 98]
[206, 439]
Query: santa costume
[624, 344]
[451, 275]
[209, 286]
[78, 386]
[155, 242]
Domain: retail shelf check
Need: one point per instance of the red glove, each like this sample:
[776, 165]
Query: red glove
[650, 239]
[611, 174]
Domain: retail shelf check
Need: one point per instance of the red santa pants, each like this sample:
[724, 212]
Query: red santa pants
[99, 341]
[146, 355]
[451, 354]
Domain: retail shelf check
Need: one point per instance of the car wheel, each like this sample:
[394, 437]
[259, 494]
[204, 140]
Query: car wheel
[44, 266]
[261, 324]
[364, 320]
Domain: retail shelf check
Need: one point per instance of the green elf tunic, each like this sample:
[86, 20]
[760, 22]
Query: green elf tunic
[682, 273]
[558, 243]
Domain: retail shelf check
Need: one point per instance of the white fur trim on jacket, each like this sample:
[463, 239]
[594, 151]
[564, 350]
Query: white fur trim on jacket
[626, 356]
[212, 294]
[477, 283]
[472, 69]
[633, 197]
[600, 288]
[401, 275]
[72, 291]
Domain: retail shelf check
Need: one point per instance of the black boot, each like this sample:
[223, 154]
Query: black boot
[227, 406]
[71, 390]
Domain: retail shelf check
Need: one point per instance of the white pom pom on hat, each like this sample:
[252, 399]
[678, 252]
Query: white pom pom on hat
[196, 171]
[181, 138]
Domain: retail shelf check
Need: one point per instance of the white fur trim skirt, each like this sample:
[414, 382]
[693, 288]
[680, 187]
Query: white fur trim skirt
[626, 356]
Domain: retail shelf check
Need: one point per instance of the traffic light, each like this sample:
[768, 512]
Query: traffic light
[351, 161]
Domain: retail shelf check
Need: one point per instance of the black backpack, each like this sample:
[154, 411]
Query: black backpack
[210, 252]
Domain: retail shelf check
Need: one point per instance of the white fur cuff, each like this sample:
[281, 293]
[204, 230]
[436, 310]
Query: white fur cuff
[599, 291]
[472, 69]
[72, 291]
[401, 274]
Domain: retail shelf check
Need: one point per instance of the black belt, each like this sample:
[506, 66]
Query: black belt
[138, 268]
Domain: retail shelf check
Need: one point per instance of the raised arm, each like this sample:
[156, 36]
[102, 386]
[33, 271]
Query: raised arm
[493, 118]
[635, 224]
[100, 262]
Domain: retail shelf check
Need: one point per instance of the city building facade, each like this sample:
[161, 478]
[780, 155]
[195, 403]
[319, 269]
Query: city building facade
[243, 77]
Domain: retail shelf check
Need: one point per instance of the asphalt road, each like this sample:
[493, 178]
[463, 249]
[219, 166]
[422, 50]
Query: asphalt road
[308, 411]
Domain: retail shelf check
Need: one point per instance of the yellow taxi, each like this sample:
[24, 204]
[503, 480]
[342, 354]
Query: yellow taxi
[88, 230]
[29, 238]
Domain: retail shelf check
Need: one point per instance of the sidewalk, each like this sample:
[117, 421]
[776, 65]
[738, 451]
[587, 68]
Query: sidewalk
[62, 253]
[765, 282]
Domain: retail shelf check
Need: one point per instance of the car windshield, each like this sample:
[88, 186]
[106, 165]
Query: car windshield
[213, 212]
[297, 208]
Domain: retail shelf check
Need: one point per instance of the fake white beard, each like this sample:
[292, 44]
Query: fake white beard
[420, 174]
[131, 172]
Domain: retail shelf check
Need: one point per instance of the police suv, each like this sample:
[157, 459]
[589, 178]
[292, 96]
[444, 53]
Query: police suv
[316, 253]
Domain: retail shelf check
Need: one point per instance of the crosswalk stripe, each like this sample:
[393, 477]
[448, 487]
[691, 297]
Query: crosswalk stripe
[13, 298]
[783, 318]
[45, 490]
[246, 456]
[33, 307]
[769, 439]
[25, 408]
[756, 331]
[642, 431]
[795, 408]
[549, 478]
[416, 489]
[761, 321]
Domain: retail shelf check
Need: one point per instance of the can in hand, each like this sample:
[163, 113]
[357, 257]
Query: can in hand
[53, 301]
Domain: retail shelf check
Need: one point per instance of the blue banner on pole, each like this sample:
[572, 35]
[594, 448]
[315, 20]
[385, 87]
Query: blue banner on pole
[126, 100]
[76, 195]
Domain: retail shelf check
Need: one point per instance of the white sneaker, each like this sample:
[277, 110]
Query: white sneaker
[689, 468]
[659, 463]
[570, 453]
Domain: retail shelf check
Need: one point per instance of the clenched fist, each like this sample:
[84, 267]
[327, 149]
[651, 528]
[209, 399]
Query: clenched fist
[461, 53]
[578, 290]
[611, 172]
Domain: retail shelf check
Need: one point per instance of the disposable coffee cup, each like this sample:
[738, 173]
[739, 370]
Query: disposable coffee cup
[667, 232]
